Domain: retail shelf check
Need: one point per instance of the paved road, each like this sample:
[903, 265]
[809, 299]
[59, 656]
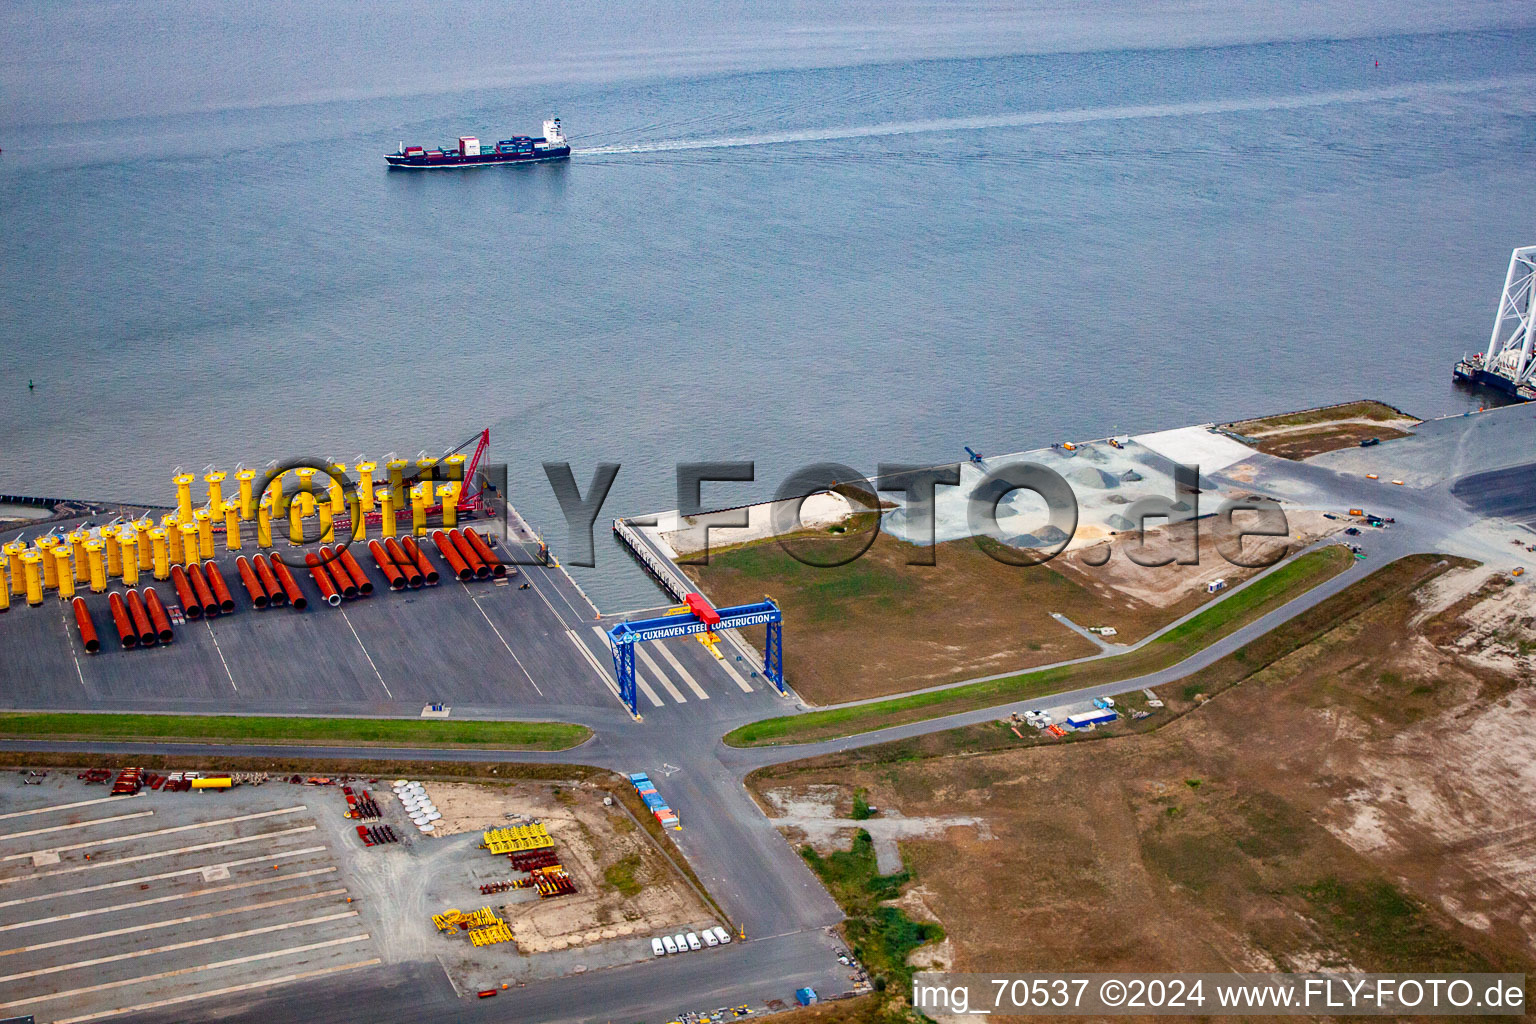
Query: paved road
[756, 875]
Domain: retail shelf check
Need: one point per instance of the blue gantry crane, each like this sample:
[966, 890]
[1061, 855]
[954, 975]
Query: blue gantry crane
[700, 617]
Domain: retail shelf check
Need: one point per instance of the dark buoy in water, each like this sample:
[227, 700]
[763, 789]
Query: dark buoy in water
[31, 386]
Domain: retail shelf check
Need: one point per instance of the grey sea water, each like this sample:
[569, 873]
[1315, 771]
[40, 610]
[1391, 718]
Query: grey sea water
[792, 232]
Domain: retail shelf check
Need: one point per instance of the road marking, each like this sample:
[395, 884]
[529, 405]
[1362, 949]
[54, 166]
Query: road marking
[155, 856]
[164, 831]
[74, 825]
[661, 676]
[216, 647]
[134, 954]
[366, 654]
[249, 986]
[586, 652]
[504, 643]
[66, 807]
[159, 899]
[548, 575]
[640, 682]
[746, 687]
[552, 610]
[200, 968]
[693, 683]
[209, 916]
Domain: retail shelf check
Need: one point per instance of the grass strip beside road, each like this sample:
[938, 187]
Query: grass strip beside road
[353, 732]
[1220, 619]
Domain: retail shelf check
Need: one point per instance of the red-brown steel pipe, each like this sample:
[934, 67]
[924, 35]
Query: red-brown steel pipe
[126, 634]
[484, 551]
[220, 590]
[364, 584]
[275, 594]
[322, 579]
[408, 568]
[148, 636]
[386, 565]
[259, 599]
[451, 555]
[162, 621]
[467, 553]
[202, 591]
[338, 572]
[290, 585]
[419, 557]
[88, 638]
[191, 607]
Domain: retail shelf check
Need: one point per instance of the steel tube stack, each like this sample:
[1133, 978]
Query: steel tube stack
[451, 555]
[220, 590]
[386, 565]
[162, 621]
[191, 607]
[87, 628]
[338, 572]
[413, 575]
[322, 578]
[126, 634]
[419, 558]
[481, 570]
[484, 551]
[202, 591]
[148, 636]
[364, 584]
[253, 586]
[290, 586]
[275, 594]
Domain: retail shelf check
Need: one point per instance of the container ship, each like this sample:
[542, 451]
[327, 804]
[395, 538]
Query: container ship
[520, 149]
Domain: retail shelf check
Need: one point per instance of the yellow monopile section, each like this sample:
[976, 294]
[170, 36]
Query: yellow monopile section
[386, 498]
[396, 469]
[454, 467]
[359, 517]
[365, 484]
[5, 589]
[247, 498]
[184, 495]
[420, 499]
[295, 522]
[94, 555]
[129, 539]
[306, 479]
[327, 530]
[204, 524]
[333, 487]
[50, 567]
[13, 552]
[61, 555]
[114, 549]
[424, 469]
[264, 523]
[146, 558]
[189, 544]
[160, 552]
[173, 539]
[32, 569]
[77, 540]
[448, 494]
[232, 528]
[215, 482]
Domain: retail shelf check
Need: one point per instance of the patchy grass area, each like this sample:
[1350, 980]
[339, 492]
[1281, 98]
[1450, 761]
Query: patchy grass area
[378, 732]
[1239, 608]
[1300, 435]
[620, 875]
[1355, 805]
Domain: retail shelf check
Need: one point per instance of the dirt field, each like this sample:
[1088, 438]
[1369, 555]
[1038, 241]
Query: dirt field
[879, 626]
[1362, 803]
[1300, 435]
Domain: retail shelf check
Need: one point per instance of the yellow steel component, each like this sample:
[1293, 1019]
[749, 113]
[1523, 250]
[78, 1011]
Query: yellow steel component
[189, 544]
[333, 486]
[204, 525]
[296, 522]
[386, 498]
[61, 555]
[517, 838]
[396, 469]
[160, 553]
[264, 523]
[77, 540]
[32, 568]
[359, 517]
[327, 532]
[232, 539]
[184, 494]
[5, 590]
[448, 920]
[420, 499]
[129, 539]
[214, 783]
[13, 552]
[448, 494]
[146, 556]
[215, 482]
[114, 549]
[98, 565]
[490, 936]
[247, 499]
[173, 539]
[453, 467]
[50, 567]
[365, 483]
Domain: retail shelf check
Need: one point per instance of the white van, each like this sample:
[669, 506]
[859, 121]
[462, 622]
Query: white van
[669, 944]
[721, 934]
[693, 941]
[708, 936]
[682, 942]
[658, 948]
